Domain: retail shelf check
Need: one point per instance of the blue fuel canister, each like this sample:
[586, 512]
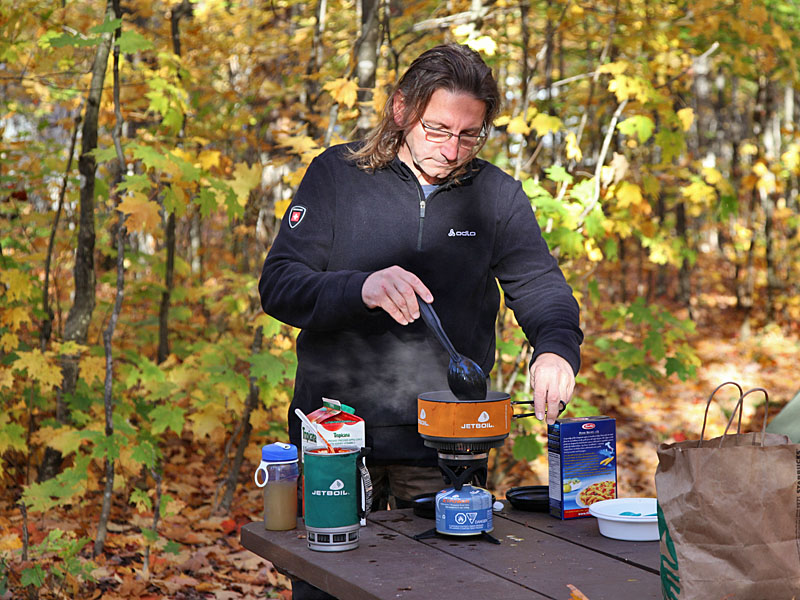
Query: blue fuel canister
[467, 511]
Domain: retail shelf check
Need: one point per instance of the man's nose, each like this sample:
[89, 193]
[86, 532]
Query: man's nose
[450, 148]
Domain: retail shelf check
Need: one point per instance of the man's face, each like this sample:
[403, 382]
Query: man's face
[458, 113]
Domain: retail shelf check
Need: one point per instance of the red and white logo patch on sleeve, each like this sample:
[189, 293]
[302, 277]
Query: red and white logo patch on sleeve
[296, 215]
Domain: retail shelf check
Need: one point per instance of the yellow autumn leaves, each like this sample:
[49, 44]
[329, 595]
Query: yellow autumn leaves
[540, 122]
[144, 214]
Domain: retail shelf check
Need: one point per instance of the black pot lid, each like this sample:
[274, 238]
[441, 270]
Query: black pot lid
[534, 498]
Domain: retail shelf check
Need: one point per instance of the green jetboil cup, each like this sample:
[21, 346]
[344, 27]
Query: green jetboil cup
[337, 493]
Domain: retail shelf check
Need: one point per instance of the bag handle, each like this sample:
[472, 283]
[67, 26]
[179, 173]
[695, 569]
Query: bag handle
[738, 405]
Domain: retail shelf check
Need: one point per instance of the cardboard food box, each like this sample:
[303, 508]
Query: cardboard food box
[337, 424]
[582, 461]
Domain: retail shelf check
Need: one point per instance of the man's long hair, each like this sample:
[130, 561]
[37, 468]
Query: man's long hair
[452, 67]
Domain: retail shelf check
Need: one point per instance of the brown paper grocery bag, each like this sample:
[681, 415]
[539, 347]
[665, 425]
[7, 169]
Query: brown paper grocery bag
[729, 515]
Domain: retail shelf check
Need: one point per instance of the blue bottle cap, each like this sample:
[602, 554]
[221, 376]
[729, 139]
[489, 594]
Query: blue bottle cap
[279, 452]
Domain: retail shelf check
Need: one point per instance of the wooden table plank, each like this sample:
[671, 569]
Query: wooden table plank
[386, 565]
[538, 560]
[584, 532]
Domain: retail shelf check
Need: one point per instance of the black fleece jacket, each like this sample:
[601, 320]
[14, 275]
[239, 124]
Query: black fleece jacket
[345, 223]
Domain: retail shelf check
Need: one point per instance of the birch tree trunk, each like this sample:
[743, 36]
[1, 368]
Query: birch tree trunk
[367, 63]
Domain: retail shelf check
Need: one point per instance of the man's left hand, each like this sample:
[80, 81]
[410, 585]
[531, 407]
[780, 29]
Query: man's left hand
[553, 382]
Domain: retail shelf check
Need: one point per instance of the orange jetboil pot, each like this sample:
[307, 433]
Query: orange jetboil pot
[447, 423]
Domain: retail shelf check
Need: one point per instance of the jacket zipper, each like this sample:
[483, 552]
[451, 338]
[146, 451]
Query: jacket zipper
[422, 204]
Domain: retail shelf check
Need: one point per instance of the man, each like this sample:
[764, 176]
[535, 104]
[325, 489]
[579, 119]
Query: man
[411, 211]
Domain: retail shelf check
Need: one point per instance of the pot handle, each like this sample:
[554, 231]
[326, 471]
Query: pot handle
[561, 407]
[365, 487]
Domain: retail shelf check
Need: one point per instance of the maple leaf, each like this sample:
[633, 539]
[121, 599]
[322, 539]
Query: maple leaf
[626, 87]
[143, 215]
[672, 144]
[517, 125]
[575, 593]
[628, 194]
[64, 439]
[40, 368]
[8, 341]
[544, 123]
[299, 144]
[573, 149]
[245, 179]
[12, 435]
[686, 117]
[10, 542]
[613, 68]
[205, 421]
[271, 326]
[294, 178]
[652, 186]
[343, 91]
[483, 44]
[593, 253]
[130, 41]
[70, 347]
[265, 364]
[280, 208]
[14, 317]
[791, 158]
[167, 417]
[18, 284]
[209, 159]
[140, 500]
[93, 369]
[151, 157]
[700, 194]
[639, 125]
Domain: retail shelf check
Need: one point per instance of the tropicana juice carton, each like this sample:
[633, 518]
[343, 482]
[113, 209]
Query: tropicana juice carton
[337, 423]
[582, 463]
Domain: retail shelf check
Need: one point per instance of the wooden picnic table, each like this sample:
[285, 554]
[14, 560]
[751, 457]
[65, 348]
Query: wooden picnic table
[536, 559]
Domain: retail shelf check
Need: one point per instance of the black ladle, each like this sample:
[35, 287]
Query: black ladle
[464, 376]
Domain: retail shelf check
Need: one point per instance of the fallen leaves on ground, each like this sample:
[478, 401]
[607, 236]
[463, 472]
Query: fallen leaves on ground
[211, 563]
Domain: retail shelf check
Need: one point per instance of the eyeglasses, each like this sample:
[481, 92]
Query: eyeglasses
[467, 141]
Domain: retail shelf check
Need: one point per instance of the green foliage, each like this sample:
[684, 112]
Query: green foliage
[3, 575]
[527, 447]
[578, 407]
[640, 126]
[224, 132]
[56, 557]
[64, 488]
[649, 344]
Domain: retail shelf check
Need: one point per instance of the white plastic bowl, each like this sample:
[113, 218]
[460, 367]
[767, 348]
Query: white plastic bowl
[639, 522]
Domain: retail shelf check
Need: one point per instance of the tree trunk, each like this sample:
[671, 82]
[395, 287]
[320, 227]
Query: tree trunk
[184, 9]
[76, 327]
[47, 324]
[684, 279]
[367, 64]
[247, 428]
[315, 62]
[108, 333]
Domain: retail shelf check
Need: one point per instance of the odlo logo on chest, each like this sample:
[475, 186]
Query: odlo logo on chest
[454, 233]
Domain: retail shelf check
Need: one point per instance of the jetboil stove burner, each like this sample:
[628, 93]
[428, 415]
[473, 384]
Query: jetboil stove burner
[463, 432]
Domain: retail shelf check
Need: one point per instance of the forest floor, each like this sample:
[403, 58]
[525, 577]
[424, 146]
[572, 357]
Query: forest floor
[211, 563]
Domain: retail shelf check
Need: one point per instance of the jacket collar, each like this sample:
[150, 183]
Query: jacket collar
[405, 173]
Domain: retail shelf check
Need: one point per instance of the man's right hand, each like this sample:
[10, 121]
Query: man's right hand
[393, 289]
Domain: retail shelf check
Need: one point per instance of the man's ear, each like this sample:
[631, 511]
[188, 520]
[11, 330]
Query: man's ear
[399, 109]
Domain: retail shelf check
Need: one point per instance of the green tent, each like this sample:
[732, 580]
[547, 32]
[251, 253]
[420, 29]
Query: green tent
[787, 421]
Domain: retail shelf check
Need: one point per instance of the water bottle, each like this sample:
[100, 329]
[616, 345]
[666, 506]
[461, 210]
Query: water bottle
[279, 471]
